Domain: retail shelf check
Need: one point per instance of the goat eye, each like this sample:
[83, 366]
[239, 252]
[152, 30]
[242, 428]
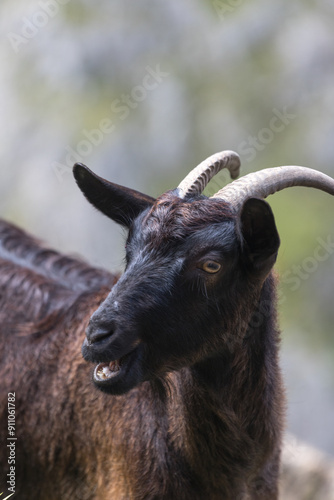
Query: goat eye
[210, 266]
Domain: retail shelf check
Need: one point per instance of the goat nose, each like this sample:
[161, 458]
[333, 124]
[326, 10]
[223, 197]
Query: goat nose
[97, 332]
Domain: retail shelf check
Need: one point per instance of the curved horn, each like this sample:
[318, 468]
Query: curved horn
[269, 181]
[195, 182]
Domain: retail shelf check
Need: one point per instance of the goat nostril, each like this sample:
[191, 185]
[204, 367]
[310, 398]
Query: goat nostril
[100, 336]
[95, 334]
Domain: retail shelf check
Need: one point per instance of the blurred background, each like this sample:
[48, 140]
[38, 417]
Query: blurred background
[142, 92]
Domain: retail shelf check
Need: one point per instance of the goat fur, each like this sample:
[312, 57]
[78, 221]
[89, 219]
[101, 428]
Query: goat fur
[206, 428]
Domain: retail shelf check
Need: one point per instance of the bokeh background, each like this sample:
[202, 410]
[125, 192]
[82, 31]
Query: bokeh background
[142, 92]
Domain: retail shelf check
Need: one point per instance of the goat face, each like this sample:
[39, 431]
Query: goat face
[191, 268]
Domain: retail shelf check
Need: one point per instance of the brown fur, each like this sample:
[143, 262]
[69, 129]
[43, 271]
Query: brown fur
[169, 439]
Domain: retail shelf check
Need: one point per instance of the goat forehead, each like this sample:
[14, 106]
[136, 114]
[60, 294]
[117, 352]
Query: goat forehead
[220, 236]
[172, 219]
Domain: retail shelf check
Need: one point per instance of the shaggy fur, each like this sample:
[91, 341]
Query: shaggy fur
[201, 415]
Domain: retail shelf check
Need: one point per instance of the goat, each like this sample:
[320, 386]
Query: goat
[185, 347]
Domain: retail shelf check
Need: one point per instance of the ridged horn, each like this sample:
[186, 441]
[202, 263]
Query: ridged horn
[196, 181]
[271, 180]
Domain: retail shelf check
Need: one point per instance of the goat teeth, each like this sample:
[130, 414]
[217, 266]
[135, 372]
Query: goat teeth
[114, 366]
[106, 371]
[103, 372]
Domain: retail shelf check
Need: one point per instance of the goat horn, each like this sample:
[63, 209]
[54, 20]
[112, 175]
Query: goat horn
[200, 176]
[269, 181]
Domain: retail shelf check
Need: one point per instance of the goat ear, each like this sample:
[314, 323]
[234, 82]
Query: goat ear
[119, 203]
[260, 235]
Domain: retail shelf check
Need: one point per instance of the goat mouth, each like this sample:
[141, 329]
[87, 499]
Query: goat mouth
[106, 371]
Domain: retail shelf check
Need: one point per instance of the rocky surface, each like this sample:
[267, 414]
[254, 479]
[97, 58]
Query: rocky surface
[307, 473]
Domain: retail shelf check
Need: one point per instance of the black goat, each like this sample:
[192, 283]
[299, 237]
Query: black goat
[185, 345]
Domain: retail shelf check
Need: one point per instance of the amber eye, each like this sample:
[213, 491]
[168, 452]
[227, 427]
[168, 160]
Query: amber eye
[210, 266]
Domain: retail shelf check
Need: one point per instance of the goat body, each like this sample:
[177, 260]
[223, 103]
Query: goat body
[185, 347]
[204, 418]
